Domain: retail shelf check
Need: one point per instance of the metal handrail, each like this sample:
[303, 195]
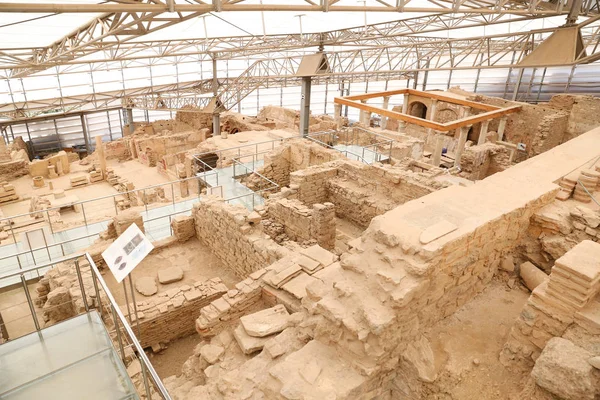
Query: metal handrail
[118, 316]
[141, 354]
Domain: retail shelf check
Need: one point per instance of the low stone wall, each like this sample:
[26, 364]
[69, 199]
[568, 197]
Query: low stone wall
[231, 306]
[293, 155]
[13, 169]
[171, 315]
[302, 223]
[237, 241]
[479, 162]
[360, 191]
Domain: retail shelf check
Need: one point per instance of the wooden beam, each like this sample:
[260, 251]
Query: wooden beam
[391, 114]
[366, 96]
[429, 95]
[473, 119]
[453, 100]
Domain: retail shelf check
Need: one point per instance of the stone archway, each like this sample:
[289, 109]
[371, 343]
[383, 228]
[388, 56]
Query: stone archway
[418, 109]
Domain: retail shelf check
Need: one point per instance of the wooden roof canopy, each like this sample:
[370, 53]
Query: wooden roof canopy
[490, 112]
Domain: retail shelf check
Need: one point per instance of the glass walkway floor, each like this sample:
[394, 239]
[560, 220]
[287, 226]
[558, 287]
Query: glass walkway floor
[72, 360]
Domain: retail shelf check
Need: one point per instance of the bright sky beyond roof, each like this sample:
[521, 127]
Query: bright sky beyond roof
[44, 29]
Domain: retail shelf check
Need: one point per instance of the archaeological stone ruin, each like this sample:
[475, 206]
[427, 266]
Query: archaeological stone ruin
[401, 210]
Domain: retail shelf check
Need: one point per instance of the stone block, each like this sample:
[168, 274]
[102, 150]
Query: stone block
[563, 369]
[170, 275]
[266, 322]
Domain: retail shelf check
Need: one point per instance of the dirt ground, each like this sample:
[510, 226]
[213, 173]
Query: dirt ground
[15, 311]
[196, 260]
[468, 343]
[169, 362]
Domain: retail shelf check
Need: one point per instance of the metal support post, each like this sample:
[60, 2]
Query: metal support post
[30, 303]
[85, 134]
[305, 106]
[130, 123]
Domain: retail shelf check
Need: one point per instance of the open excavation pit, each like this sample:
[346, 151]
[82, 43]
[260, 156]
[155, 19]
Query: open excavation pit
[404, 257]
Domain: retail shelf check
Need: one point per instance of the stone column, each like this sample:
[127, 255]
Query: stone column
[483, 132]
[501, 127]
[101, 156]
[402, 124]
[432, 112]
[462, 139]
[436, 157]
[463, 113]
[386, 104]
[337, 114]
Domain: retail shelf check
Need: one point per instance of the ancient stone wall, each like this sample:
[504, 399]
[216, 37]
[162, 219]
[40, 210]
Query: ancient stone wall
[172, 314]
[360, 191]
[231, 306]
[584, 112]
[562, 306]
[13, 169]
[118, 149]
[236, 241]
[59, 161]
[479, 162]
[196, 119]
[291, 156]
[303, 223]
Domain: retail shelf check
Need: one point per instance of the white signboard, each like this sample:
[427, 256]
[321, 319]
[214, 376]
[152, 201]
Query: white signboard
[127, 252]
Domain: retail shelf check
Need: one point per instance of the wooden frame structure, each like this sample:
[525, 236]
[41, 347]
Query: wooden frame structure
[463, 124]
[490, 112]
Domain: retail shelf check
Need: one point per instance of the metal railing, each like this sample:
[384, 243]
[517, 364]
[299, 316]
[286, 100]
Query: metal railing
[95, 295]
[60, 241]
[351, 137]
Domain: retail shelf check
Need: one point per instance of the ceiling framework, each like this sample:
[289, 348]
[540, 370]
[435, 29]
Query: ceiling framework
[382, 63]
[118, 44]
[114, 28]
[525, 7]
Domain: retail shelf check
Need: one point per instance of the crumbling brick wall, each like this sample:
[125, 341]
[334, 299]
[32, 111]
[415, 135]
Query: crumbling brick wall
[360, 191]
[171, 315]
[291, 156]
[236, 241]
[479, 162]
[303, 223]
[562, 306]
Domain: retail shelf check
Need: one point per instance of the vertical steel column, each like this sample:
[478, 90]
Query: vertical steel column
[30, 303]
[305, 106]
[85, 133]
[129, 113]
[518, 84]
[216, 116]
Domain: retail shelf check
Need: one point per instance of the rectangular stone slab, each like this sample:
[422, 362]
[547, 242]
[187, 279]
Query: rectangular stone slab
[266, 322]
[247, 343]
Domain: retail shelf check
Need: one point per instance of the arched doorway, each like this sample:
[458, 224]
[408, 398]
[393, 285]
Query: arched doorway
[418, 109]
